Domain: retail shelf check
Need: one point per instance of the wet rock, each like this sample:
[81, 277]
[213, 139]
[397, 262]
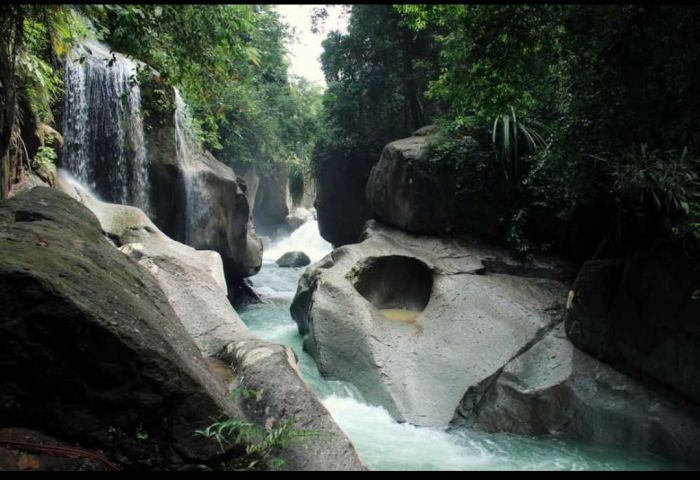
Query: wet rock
[414, 322]
[555, 388]
[293, 259]
[219, 214]
[272, 202]
[222, 219]
[283, 397]
[640, 314]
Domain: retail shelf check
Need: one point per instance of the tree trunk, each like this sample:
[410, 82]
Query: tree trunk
[410, 88]
[11, 28]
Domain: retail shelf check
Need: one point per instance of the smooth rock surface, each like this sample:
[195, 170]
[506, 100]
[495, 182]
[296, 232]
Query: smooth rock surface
[197, 200]
[555, 388]
[473, 323]
[403, 193]
[409, 190]
[201, 305]
[193, 280]
[272, 201]
[222, 218]
[273, 371]
[293, 259]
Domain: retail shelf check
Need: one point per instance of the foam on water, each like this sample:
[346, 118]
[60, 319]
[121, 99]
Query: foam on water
[305, 239]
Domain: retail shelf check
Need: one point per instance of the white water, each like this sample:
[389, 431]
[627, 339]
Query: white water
[104, 146]
[384, 444]
[305, 239]
[186, 145]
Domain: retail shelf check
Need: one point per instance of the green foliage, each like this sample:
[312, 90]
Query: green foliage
[507, 136]
[262, 446]
[296, 182]
[247, 393]
[669, 179]
[228, 61]
[42, 86]
[375, 75]
[141, 434]
[48, 33]
[605, 78]
[45, 158]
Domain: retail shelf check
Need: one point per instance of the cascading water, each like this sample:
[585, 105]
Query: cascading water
[304, 238]
[186, 145]
[384, 444]
[103, 135]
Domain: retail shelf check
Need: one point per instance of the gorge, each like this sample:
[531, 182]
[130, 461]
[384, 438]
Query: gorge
[208, 264]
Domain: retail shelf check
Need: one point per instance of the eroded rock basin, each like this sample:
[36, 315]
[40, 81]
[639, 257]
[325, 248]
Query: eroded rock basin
[398, 287]
[413, 322]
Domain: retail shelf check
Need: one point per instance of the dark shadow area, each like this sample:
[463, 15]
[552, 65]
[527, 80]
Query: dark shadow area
[394, 282]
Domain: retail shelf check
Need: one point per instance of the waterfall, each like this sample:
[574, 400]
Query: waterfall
[104, 145]
[186, 146]
[305, 238]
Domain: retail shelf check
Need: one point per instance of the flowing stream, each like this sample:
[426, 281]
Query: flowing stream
[384, 444]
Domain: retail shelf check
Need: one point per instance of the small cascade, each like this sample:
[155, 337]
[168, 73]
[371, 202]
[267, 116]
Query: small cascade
[186, 146]
[104, 145]
[305, 239]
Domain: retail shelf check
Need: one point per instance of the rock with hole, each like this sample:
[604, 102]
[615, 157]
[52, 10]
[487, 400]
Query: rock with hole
[413, 322]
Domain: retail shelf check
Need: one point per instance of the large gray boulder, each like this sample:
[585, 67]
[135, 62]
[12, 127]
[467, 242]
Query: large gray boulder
[555, 388]
[411, 189]
[221, 218]
[90, 348]
[404, 192]
[640, 314]
[192, 281]
[357, 310]
[293, 259]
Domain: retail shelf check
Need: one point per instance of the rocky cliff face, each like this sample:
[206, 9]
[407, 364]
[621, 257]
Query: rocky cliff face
[640, 313]
[132, 144]
[195, 198]
[272, 202]
[341, 206]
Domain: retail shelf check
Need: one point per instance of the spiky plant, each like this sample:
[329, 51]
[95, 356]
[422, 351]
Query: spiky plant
[505, 137]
